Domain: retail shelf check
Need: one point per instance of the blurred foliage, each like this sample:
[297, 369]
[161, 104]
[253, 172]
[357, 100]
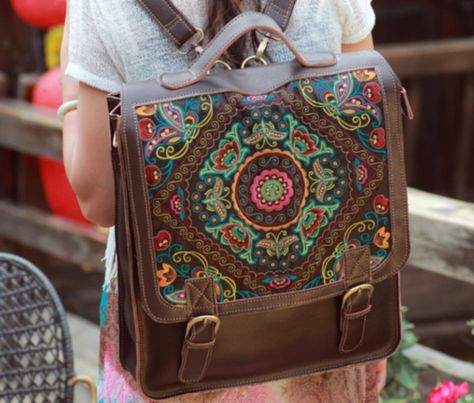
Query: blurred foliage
[403, 373]
[471, 325]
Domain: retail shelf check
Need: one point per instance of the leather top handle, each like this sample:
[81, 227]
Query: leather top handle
[180, 30]
[235, 29]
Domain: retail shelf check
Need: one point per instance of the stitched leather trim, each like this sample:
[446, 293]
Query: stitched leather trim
[200, 295]
[356, 266]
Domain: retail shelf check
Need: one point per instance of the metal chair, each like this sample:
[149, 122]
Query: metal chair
[36, 358]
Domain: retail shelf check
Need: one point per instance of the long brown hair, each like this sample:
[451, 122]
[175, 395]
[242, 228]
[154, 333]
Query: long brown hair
[219, 13]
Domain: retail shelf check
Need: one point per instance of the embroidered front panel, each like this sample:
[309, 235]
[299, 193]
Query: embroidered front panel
[265, 192]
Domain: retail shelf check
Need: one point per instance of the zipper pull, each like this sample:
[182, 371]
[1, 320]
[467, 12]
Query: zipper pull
[406, 106]
[118, 126]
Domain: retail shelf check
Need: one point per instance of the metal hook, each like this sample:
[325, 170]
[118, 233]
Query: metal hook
[194, 46]
[258, 56]
[222, 63]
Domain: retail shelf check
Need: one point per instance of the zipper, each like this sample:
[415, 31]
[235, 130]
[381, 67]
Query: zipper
[406, 106]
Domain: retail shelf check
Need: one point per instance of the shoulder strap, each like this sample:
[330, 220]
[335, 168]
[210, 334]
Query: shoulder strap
[280, 11]
[174, 23]
[180, 30]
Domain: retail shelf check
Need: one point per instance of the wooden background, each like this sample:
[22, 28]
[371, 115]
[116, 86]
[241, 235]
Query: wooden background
[434, 158]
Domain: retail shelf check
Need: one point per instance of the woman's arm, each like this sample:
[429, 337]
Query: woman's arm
[86, 149]
[366, 43]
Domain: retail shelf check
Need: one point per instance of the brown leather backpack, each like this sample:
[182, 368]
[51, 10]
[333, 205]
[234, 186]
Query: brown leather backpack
[261, 213]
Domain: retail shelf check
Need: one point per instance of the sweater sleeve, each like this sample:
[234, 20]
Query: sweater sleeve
[358, 20]
[89, 59]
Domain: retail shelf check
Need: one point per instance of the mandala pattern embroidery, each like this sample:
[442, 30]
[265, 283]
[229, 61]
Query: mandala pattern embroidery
[264, 193]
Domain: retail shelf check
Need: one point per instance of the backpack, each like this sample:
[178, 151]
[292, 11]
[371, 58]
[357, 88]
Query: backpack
[261, 213]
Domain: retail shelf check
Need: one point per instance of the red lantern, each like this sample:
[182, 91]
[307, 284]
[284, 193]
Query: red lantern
[41, 13]
[59, 194]
[47, 91]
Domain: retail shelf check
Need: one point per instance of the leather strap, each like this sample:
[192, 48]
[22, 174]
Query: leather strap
[180, 30]
[356, 264]
[173, 22]
[201, 331]
[280, 11]
[356, 303]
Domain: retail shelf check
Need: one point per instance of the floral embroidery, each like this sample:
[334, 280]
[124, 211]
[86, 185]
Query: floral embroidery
[271, 190]
[153, 175]
[377, 138]
[166, 275]
[236, 235]
[361, 173]
[302, 143]
[381, 204]
[216, 199]
[277, 245]
[279, 282]
[381, 238]
[265, 192]
[311, 221]
[264, 132]
[176, 204]
[372, 92]
[177, 297]
[147, 128]
[162, 240]
[227, 157]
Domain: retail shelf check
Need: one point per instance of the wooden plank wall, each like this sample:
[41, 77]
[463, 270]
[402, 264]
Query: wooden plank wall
[439, 142]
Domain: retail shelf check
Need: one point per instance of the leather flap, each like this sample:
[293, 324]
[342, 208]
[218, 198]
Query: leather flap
[262, 178]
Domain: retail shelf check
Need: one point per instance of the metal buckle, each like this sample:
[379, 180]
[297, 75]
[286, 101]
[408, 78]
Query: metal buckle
[358, 288]
[205, 319]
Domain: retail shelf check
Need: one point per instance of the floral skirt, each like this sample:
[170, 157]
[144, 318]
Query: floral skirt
[356, 384]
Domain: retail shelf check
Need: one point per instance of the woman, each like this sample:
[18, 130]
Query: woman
[111, 42]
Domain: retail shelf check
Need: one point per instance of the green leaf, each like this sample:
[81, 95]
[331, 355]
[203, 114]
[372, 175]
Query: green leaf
[409, 340]
[407, 376]
[402, 372]
[467, 399]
